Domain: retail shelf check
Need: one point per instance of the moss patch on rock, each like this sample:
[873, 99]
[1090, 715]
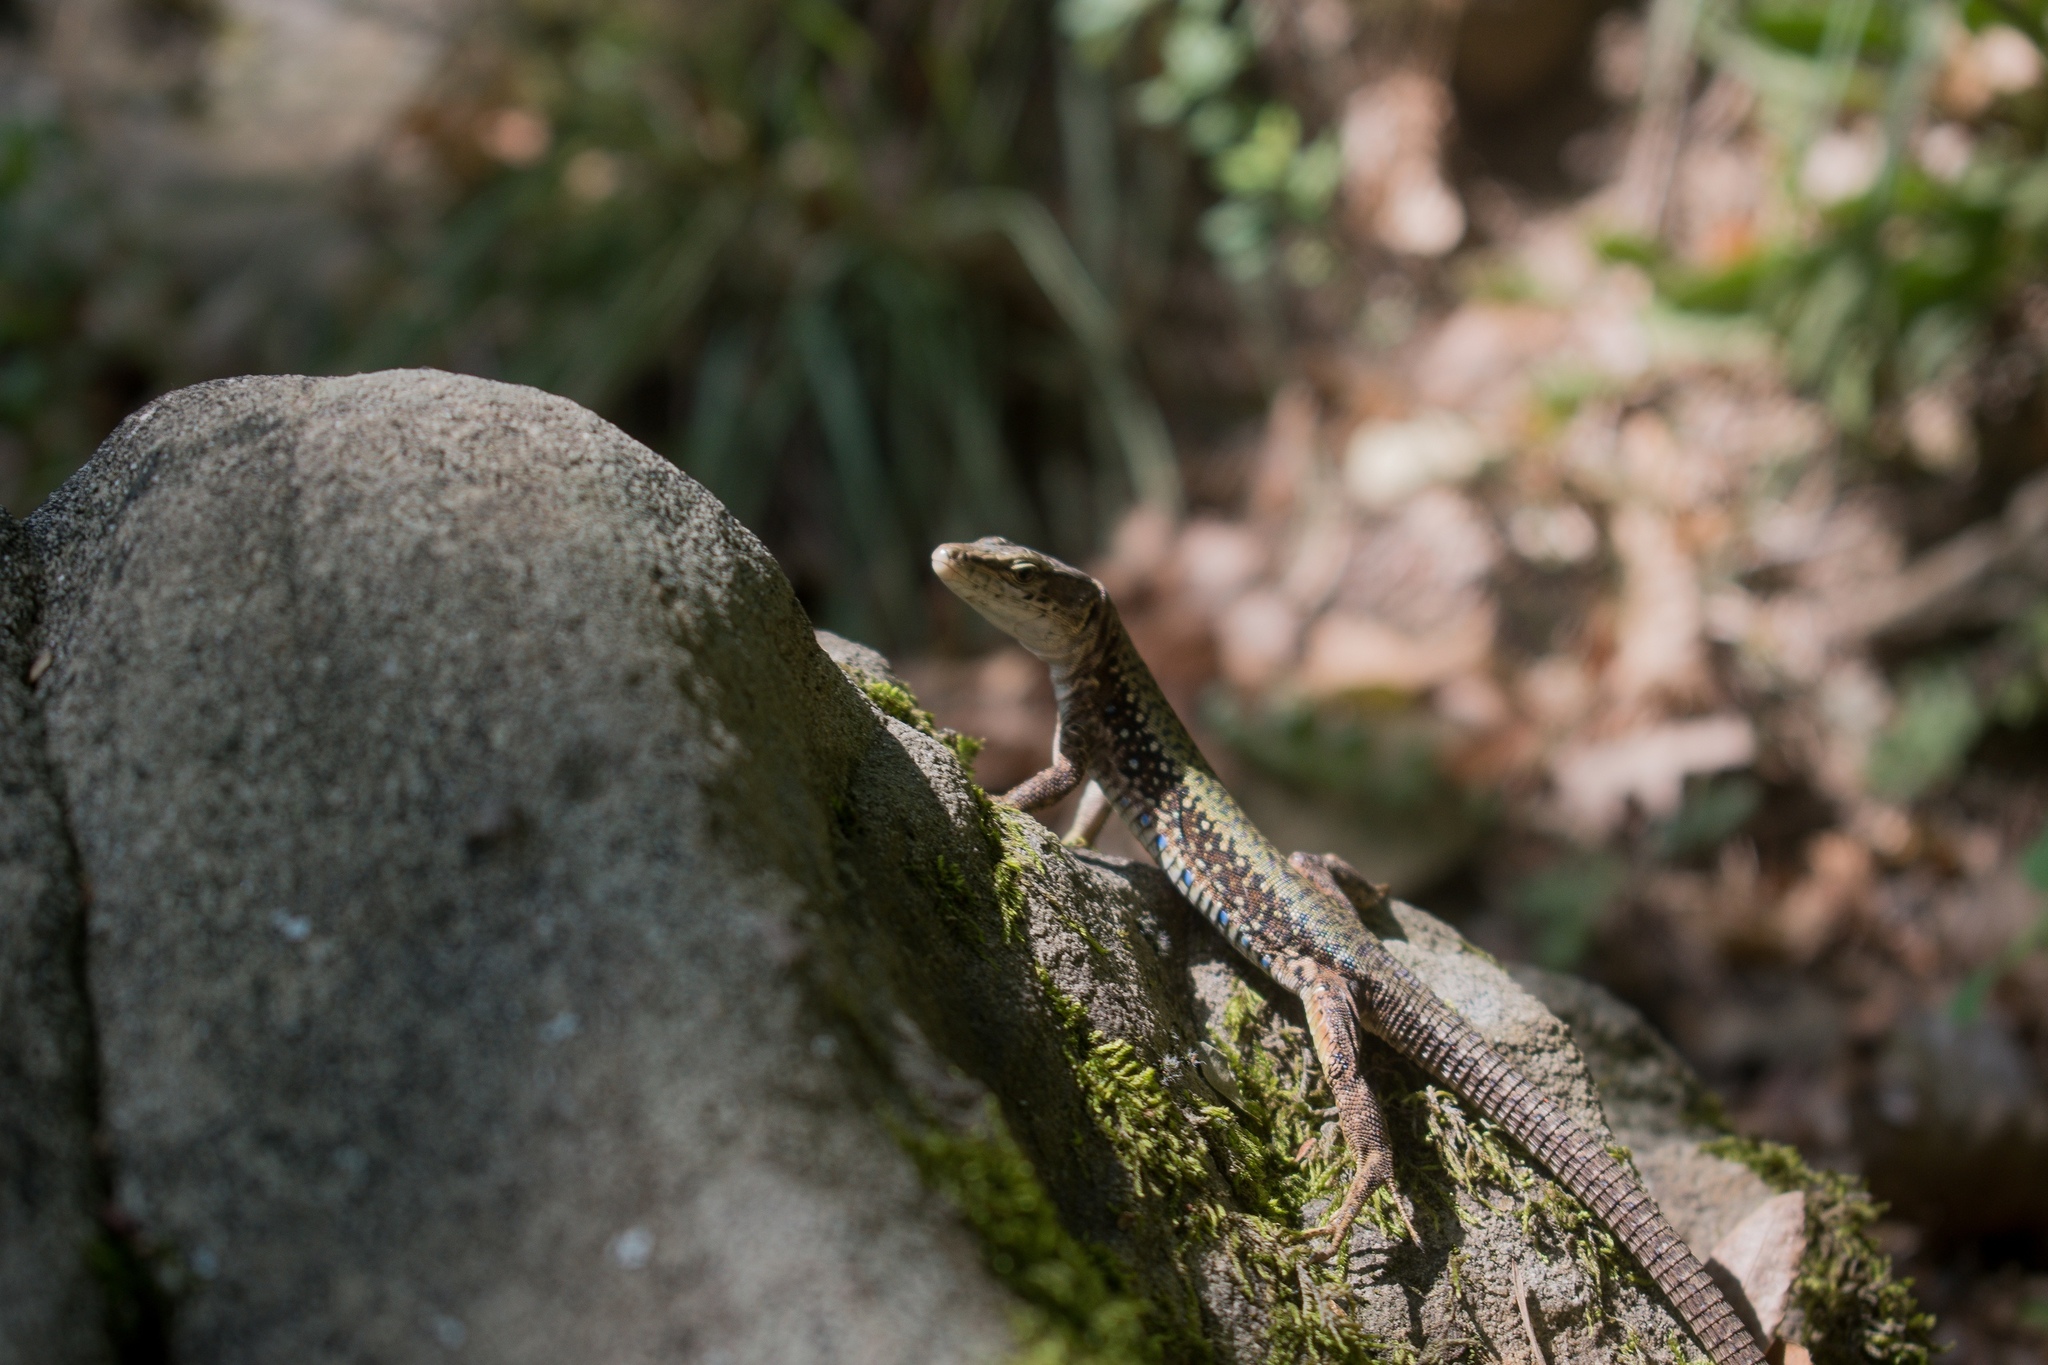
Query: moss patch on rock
[1452, 1164]
[1073, 1310]
[1159, 1218]
[895, 700]
[1852, 1310]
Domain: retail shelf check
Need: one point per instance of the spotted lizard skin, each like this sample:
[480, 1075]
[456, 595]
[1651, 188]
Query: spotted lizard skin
[1297, 920]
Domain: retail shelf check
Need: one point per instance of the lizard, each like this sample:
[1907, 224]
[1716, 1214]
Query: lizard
[1299, 919]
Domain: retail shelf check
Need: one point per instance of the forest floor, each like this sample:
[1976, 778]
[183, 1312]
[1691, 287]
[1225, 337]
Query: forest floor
[1573, 617]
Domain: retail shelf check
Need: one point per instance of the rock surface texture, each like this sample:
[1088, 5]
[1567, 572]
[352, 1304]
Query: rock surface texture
[512, 937]
[49, 1187]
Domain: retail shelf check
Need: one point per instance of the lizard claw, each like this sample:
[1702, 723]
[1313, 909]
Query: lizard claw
[1338, 1228]
[1401, 1207]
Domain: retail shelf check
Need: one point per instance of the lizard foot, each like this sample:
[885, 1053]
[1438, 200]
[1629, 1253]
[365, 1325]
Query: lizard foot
[1363, 1184]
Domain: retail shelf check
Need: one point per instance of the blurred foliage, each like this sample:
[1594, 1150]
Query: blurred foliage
[54, 237]
[1946, 705]
[1896, 287]
[1937, 721]
[1385, 762]
[1970, 997]
[806, 232]
[1714, 809]
[1564, 904]
[807, 250]
[2017, 679]
[1190, 68]
[872, 272]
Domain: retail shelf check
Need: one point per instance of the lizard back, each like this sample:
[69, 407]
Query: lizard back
[1118, 725]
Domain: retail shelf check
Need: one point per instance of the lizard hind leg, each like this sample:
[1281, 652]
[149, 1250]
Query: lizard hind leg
[1333, 1023]
[1090, 818]
[1340, 879]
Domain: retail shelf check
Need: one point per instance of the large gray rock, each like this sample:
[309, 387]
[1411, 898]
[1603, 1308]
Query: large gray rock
[454, 780]
[50, 1309]
[511, 934]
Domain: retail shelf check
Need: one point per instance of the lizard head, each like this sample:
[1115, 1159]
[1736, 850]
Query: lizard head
[1053, 609]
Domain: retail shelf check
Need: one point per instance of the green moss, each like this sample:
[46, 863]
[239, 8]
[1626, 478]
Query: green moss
[896, 701]
[1010, 831]
[1154, 1141]
[1305, 1300]
[1449, 1161]
[1086, 935]
[1854, 1310]
[1478, 1158]
[1007, 829]
[954, 897]
[1074, 1310]
[1204, 1177]
[139, 1285]
[1078, 1308]
[1200, 1167]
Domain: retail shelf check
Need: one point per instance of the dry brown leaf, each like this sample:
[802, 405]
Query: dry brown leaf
[1393, 136]
[1596, 782]
[1839, 874]
[1257, 638]
[1659, 652]
[1479, 360]
[1977, 69]
[1473, 701]
[1947, 585]
[1287, 455]
[1349, 652]
[1215, 561]
[1561, 534]
[1762, 1252]
[1423, 568]
[1139, 550]
[1315, 559]
[1555, 692]
[1386, 463]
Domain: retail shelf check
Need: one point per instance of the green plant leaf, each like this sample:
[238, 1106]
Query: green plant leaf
[1565, 903]
[1937, 721]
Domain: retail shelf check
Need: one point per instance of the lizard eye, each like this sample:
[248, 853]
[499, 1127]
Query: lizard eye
[1023, 571]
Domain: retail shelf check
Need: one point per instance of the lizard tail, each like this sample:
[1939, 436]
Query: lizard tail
[1409, 1016]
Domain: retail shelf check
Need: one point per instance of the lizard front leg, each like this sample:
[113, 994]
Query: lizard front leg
[1334, 1025]
[1043, 788]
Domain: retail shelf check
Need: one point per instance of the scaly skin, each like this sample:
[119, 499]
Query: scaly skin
[1296, 919]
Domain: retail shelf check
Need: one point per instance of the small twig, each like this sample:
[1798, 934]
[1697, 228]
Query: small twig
[1528, 1322]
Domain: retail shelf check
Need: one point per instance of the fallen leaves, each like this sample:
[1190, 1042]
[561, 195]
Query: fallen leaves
[1597, 782]
[1761, 1253]
[1349, 653]
[1393, 135]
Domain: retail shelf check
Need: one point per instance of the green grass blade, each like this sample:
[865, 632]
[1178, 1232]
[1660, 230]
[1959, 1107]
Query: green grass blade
[1140, 431]
[838, 397]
